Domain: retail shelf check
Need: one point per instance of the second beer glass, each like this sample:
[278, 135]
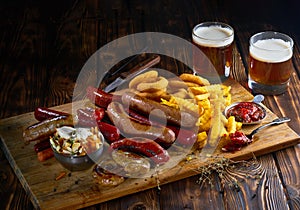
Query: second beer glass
[215, 40]
[270, 64]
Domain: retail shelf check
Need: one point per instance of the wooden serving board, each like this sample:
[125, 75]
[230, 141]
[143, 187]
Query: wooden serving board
[77, 189]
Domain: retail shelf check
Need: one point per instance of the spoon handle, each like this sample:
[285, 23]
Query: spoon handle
[274, 122]
[258, 98]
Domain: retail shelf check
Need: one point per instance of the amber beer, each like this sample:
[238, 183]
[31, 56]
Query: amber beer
[215, 40]
[270, 63]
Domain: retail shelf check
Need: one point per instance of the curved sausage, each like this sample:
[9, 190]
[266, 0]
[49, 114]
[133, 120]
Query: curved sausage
[44, 129]
[143, 146]
[106, 179]
[110, 132]
[90, 116]
[132, 128]
[45, 154]
[40, 146]
[43, 113]
[147, 106]
[183, 136]
[100, 97]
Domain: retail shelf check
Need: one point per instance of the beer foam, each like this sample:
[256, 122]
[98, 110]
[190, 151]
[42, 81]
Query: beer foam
[271, 50]
[213, 36]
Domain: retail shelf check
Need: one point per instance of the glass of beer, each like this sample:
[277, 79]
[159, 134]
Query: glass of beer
[215, 40]
[270, 62]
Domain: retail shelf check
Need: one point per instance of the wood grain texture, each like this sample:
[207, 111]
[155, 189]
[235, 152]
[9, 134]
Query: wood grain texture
[261, 185]
[78, 188]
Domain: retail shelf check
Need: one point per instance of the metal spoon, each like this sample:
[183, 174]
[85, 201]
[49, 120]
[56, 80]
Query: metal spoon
[258, 98]
[274, 122]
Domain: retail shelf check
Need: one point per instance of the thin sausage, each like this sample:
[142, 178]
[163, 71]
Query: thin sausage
[100, 97]
[40, 146]
[45, 154]
[44, 113]
[132, 128]
[143, 146]
[44, 129]
[147, 106]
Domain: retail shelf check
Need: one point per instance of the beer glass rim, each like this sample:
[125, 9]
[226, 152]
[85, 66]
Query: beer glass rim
[265, 35]
[214, 23]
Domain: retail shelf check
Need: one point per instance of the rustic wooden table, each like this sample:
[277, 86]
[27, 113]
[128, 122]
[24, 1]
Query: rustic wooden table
[44, 46]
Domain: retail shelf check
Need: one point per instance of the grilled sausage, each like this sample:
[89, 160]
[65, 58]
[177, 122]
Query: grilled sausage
[183, 136]
[129, 127]
[147, 106]
[100, 97]
[45, 154]
[44, 129]
[43, 113]
[143, 146]
[110, 132]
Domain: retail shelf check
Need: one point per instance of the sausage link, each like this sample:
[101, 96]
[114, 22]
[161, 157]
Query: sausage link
[183, 136]
[100, 97]
[143, 146]
[89, 116]
[43, 113]
[40, 146]
[111, 133]
[45, 154]
[146, 106]
[141, 118]
[44, 129]
[132, 128]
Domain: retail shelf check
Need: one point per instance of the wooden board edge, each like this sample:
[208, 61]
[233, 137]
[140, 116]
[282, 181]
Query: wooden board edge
[164, 179]
[19, 174]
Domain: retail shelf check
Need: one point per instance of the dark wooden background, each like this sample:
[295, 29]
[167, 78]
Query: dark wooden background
[44, 44]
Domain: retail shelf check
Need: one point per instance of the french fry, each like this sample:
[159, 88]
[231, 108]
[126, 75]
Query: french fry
[181, 103]
[201, 110]
[231, 125]
[201, 136]
[201, 139]
[228, 100]
[239, 126]
[169, 103]
[224, 119]
[198, 90]
[211, 89]
[204, 121]
[187, 105]
[223, 132]
[193, 93]
[205, 104]
[217, 125]
[226, 90]
[202, 96]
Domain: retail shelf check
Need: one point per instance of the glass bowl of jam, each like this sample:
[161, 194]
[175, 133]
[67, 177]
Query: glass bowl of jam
[246, 112]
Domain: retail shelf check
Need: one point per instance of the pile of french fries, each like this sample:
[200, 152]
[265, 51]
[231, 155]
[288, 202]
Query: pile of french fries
[194, 94]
